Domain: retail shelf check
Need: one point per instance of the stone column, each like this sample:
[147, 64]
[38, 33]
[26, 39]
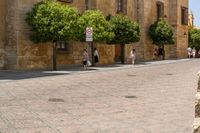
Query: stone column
[11, 33]
[196, 126]
[140, 18]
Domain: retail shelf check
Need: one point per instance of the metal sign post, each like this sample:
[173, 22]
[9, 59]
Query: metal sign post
[89, 39]
[89, 34]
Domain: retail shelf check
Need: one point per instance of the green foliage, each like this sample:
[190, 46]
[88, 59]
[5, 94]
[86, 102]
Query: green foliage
[96, 20]
[125, 30]
[161, 33]
[194, 38]
[52, 21]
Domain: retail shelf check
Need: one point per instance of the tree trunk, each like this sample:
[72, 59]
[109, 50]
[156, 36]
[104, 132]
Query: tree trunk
[163, 54]
[122, 53]
[197, 53]
[54, 57]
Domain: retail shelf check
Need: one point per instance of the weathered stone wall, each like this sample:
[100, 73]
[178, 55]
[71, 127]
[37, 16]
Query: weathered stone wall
[18, 52]
[2, 23]
[135, 11]
[12, 32]
[196, 126]
[182, 32]
[2, 33]
[29, 55]
[34, 56]
[80, 4]
[110, 7]
[172, 13]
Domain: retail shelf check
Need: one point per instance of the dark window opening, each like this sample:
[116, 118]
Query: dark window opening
[62, 45]
[87, 4]
[119, 5]
[122, 6]
[90, 4]
[160, 10]
[67, 1]
[184, 15]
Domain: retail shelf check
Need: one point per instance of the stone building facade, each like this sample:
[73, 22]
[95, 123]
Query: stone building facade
[18, 52]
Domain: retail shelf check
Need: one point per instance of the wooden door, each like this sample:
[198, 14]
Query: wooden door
[117, 52]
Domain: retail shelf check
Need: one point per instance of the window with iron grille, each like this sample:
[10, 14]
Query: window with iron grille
[62, 46]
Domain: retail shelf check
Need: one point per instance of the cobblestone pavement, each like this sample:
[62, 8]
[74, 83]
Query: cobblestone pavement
[156, 98]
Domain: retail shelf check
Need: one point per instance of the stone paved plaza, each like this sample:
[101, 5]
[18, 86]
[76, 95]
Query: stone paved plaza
[154, 98]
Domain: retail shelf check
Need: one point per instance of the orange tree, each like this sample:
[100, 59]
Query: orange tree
[51, 22]
[161, 34]
[125, 30]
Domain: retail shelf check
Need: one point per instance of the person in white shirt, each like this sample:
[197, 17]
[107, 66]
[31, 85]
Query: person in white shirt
[133, 56]
[193, 53]
[189, 51]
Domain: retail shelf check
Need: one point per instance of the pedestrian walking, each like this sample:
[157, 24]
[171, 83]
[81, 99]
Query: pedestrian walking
[160, 52]
[189, 52]
[155, 53]
[198, 53]
[132, 56]
[96, 55]
[193, 52]
[85, 59]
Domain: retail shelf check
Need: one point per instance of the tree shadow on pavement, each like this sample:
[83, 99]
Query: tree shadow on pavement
[18, 75]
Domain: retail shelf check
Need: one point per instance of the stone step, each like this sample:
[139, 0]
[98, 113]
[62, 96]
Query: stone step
[197, 105]
[198, 88]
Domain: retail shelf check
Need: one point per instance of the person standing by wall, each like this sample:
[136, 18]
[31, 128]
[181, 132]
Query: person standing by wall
[155, 53]
[161, 53]
[189, 51]
[96, 55]
[85, 59]
[133, 56]
[193, 52]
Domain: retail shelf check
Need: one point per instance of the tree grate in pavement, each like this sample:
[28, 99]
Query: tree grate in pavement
[131, 75]
[56, 100]
[169, 74]
[130, 97]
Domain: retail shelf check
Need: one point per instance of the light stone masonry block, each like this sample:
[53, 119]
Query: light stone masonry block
[196, 125]
[197, 105]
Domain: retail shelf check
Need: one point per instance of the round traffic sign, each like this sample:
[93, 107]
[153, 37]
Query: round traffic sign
[89, 31]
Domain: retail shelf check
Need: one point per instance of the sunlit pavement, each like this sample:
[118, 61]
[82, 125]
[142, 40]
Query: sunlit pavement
[153, 97]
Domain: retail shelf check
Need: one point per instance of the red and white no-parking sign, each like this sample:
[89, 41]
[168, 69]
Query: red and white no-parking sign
[89, 34]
